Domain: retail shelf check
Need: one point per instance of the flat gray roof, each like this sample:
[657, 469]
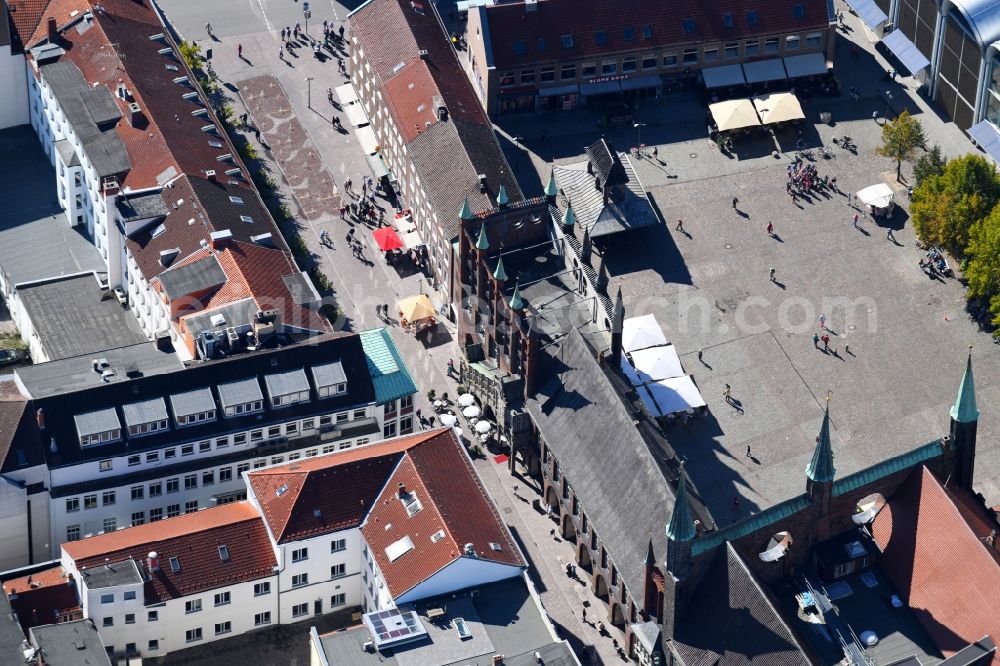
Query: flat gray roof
[286, 383]
[192, 278]
[503, 619]
[145, 411]
[102, 420]
[329, 374]
[141, 206]
[192, 402]
[73, 374]
[113, 574]
[239, 392]
[36, 242]
[70, 644]
[240, 313]
[72, 317]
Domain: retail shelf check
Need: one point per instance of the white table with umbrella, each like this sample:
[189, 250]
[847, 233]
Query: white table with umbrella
[483, 427]
[466, 400]
[471, 412]
[448, 420]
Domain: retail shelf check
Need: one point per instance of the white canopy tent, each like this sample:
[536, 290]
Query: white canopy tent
[778, 107]
[656, 363]
[411, 240]
[346, 94]
[879, 196]
[721, 77]
[677, 394]
[734, 114]
[355, 115]
[641, 332]
[367, 139]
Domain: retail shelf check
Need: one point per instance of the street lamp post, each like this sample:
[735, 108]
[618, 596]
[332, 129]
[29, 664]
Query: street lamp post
[638, 137]
[888, 103]
[309, 92]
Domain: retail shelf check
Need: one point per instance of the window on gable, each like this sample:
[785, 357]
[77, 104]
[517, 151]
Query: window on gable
[175, 564]
[799, 11]
[224, 553]
[751, 17]
[600, 37]
[541, 44]
[689, 26]
[567, 41]
[727, 20]
[628, 34]
[647, 31]
[519, 47]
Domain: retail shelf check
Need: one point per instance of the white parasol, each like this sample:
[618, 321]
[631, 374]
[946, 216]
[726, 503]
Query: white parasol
[448, 420]
[483, 427]
[466, 399]
[471, 412]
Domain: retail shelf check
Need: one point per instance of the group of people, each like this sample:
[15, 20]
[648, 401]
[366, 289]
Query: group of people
[804, 178]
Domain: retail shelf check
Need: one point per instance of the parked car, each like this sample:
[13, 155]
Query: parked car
[8, 356]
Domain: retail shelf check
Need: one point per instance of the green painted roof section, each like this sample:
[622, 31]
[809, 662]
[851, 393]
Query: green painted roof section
[551, 189]
[820, 468]
[681, 525]
[887, 467]
[500, 273]
[465, 212]
[569, 217]
[388, 371]
[749, 525]
[516, 302]
[502, 196]
[964, 410]
[482, 243]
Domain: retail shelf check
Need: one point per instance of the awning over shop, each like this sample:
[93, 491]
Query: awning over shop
[378, 167]
[906, 51]
[640, 82]
[987, 136]
[559, 90]
[764, 70]
[869, 12]
[778, 108]
[346, 94]
[600, 88]
[734, 114]
[355, 114]
[367, 139]
[807, 64]
[720, 77]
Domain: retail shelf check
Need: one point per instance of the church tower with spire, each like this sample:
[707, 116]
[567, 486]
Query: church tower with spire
[964, 422]
[820, 471]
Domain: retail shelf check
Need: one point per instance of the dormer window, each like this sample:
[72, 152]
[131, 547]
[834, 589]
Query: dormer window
[330, 379]
[287, 388]
[98, 427]
[241, 397]
[145, 417]
[193, 407]
[411, 503]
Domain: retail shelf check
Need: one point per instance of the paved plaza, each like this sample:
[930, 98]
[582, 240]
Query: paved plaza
[709, 287]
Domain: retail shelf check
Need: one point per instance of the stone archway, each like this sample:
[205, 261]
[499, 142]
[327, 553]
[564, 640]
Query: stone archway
[567, 528]
[552, 498]
[617, 615]
[583, 557]
[600, 588]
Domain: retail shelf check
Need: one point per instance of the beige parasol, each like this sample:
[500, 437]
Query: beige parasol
[734, 114]
[416, 308]
[778, 107]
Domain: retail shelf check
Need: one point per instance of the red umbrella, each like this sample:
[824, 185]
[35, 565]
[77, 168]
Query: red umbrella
[387, 239]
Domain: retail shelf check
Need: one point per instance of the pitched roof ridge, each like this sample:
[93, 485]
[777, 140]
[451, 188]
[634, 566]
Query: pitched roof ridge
[952, 508]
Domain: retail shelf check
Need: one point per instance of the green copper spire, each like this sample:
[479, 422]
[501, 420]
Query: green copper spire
[964, 409]
[502, 195]
[466, 212]
[569, 217]
[820, 468]
[500, 273]
[482, 243]
[516, 302]
[681, 526]
[550, 188]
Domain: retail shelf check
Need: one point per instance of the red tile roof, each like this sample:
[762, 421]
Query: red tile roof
[42, 598]
[194, 539]
[25, 16]
[441, 477]
[357, 475]
[510, 23]
[940, 567]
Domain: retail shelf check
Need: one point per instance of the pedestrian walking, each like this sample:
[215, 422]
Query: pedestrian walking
[420, 418]
[680, 225]
[699, 356]
[736, 202]
[875, 115]
[822, 321]
[282, 34]
[239, 50]
[736, 502]
[726, 394]
[826, 342]
[343, 211]
[770, 229]
[583, 614]
[281, 53]
[771, 273]
[889, 236]
[855, 220]
[748, 451]
[847, 349]
[451, 367]
[515, 490]
[816, 340]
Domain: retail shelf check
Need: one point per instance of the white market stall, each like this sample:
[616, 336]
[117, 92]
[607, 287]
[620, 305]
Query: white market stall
[656, 363]
[367, 139]
[677, 394]
[355, 115]
[641, 332]
[877, 196]
[346, 94]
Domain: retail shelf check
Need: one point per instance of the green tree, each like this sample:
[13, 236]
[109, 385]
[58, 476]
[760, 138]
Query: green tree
[929, 164]
[983, 270]
[191, 53]
[945, 206]
[900, 139]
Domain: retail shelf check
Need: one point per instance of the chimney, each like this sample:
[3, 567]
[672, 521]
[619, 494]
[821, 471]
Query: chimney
[40, 418]
[153, 562]
[135, 116]
[53, 30]
[220, 238]
[167, 256]
[531, 5]
[402, 489]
